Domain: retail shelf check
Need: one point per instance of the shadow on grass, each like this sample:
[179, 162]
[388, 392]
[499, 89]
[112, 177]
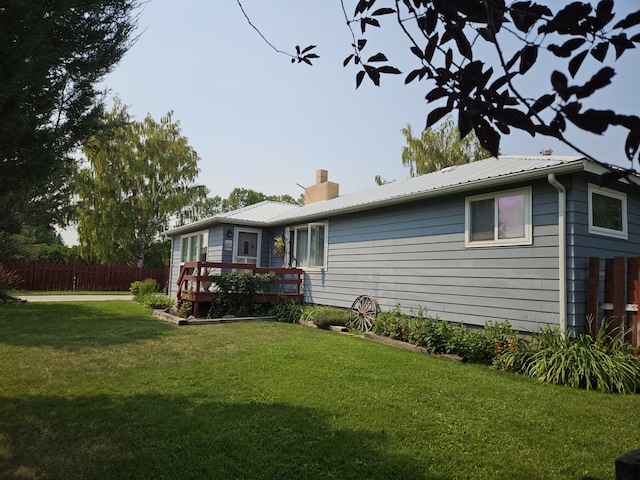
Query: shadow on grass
[77, 325]
[149, 436]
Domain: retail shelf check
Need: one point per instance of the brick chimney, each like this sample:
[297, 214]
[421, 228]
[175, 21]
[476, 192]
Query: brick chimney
[322, 190]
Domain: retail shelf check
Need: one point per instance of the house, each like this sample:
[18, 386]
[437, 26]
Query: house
[502, 238]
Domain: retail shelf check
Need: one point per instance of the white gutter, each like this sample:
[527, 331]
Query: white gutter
[562, 250]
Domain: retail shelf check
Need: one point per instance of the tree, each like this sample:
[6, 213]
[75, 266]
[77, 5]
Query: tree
[478, 54]
[438, 148]
[52, 57]
[238, 198]
[140, 174]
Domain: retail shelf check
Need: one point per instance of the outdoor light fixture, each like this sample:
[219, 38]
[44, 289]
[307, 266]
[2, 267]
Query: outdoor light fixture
[229, 233]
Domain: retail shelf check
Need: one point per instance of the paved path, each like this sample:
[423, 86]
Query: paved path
[73, 298]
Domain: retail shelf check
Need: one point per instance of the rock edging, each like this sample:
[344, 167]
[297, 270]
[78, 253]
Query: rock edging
[407, 346]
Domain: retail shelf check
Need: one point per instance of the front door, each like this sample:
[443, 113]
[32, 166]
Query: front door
[247, 246]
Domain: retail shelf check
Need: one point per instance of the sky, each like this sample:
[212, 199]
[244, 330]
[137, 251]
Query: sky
[257, 121]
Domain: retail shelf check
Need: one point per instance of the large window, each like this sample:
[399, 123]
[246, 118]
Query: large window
[502, 218]
[309, 246]
[607, 212]
[193, 247]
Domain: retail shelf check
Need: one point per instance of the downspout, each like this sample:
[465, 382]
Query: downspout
[562, 250]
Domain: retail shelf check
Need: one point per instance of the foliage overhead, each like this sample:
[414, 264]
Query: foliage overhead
[477, 56]
[140, 174]
[438, 148]
[450, 38]
[52, 57]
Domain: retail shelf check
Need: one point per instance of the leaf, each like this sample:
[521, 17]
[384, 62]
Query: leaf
[388, 69]
[543, 102]
[347, 60]
[599, 52]
[621, 43]
[528, 58]
[378, 57]
[359, 78]
[430, 20]
[515, 118]
[501, 81]
[599, 80]
[383, 11]
[436, 114]
[448, 59]
[632, 145]
[464, 47]
[525, 14]
[487, 136]
[413, 75]
[436, 93]
[567, 47]
[310, 47]
[559, 83]
[513, 60]
[373, 74]
[595, 121]
[417, 52]
[465, 122]
[576, 62]
[629, 21]
[361, 7]
[361, 43]
[431, 47]
[558, 124]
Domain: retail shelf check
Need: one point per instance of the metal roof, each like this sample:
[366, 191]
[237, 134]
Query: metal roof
[484, 173]
[491, 171]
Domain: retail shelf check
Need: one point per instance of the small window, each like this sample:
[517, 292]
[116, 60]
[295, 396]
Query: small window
[310, 246]
[498, 219]
[607, 212]
[193, 247]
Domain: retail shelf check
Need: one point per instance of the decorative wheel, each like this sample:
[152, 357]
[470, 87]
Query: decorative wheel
[363, 313]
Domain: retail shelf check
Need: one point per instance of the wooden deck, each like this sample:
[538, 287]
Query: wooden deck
[193, 282]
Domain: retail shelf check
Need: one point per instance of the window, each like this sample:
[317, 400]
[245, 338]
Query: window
[193, 247]
[310, 246]
[607, 212]
[498, 219]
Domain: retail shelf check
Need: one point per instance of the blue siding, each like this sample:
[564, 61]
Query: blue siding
[415, 255]
[581, 244]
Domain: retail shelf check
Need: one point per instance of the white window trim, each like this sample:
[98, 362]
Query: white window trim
[205, 239]
[528, 228]
[308, 226]
[236, 234]
[608, 232]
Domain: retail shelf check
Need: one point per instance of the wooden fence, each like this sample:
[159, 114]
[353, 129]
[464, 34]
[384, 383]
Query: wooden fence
[76, 277]
[621, 295]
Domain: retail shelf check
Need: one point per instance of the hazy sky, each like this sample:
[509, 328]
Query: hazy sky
[259, 122]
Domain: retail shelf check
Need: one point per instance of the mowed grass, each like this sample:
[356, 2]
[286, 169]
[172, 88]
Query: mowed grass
[103, 390]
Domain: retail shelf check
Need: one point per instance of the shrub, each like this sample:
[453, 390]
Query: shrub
[439, 336]
[604, 363]
[185, 310]
[141, 288]
[237, 291]
[324, 316]
[156, 301]
[9, 281]
[286, 310]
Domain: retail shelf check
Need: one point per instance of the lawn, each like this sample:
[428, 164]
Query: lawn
[104, 390]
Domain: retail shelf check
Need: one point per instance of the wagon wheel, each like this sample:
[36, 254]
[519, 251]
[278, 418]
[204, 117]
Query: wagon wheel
[363, 313]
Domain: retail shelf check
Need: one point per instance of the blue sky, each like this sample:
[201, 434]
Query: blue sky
[259, 122]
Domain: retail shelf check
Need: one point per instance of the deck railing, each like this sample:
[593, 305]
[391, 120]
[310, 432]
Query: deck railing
[194, 284]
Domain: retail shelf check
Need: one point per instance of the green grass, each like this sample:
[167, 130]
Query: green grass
[67, 292]
[103, 390]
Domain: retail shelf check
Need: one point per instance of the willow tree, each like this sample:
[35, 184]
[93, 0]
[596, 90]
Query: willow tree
[140, 175]
[438, 148]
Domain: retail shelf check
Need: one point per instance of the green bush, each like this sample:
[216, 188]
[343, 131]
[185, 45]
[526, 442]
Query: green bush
[604, 363]
[156, 301]
[324, 316]
[237, 291]
[141, 288]
[439, 336]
